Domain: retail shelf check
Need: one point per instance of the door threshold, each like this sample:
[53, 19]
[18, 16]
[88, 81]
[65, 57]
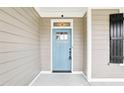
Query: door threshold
[62, 71]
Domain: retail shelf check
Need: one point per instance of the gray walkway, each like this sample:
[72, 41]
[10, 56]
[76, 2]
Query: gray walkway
[60, 80]
[57, 79]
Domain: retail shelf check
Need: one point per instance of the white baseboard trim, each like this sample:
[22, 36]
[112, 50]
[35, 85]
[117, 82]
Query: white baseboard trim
[77, 72]
[73, 72]
[103, 79]
[106, 80]
[85, 76]
[46, 72]
[34, 79]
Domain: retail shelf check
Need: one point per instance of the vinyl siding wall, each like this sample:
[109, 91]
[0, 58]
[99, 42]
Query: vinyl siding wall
[19, 46]
[100, 46]
[46, 42]
[85, 44]
[78, 44]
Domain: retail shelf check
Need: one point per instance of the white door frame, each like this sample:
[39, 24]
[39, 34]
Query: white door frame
[69, 27]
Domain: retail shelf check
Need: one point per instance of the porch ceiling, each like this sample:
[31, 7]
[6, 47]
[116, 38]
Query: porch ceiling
[58, 11]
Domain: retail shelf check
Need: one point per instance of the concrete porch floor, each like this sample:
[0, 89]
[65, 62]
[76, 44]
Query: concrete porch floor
[65, 79]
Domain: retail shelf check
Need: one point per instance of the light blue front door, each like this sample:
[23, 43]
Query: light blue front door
[61, 50]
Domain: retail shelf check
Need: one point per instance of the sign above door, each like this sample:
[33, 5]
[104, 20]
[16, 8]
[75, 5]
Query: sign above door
[62, 23]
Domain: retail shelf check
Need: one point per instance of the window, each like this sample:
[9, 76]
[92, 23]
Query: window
[116, 38]
[61, 35]
[61, 24]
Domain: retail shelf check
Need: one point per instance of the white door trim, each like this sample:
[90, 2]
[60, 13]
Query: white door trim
[70, 27]
[89, 44]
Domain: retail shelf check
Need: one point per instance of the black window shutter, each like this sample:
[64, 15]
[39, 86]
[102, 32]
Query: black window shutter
[116, 38]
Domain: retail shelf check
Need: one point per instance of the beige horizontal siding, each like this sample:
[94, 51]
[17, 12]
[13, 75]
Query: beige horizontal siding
[100, 46]
[85, 44]
[78, 44]
[45, 44]
[19, 45]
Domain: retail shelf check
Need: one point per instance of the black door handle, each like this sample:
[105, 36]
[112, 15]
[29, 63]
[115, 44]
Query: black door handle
[70, 57]
[70, 53]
